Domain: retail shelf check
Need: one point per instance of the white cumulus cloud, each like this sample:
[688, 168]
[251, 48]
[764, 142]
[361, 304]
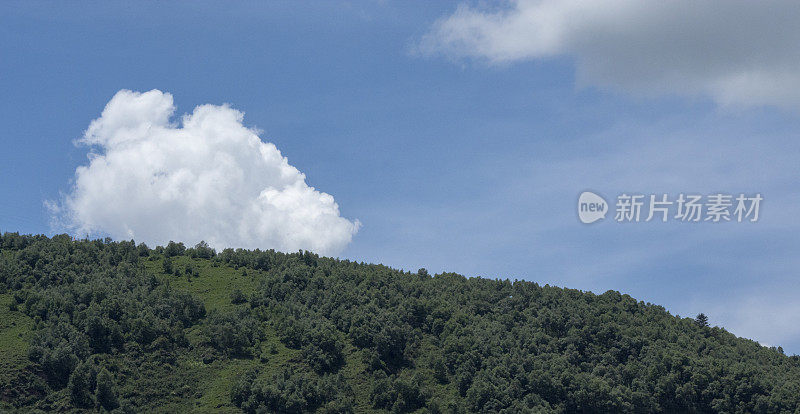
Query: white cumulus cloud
[737, 52]
[205, 177]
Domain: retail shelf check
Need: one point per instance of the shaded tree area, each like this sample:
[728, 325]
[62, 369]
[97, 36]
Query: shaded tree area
[326, 335]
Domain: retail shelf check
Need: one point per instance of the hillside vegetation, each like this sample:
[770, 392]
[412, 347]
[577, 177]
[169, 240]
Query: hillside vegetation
[115, 326]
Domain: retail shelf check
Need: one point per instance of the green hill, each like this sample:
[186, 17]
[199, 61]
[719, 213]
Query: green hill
[101, 325]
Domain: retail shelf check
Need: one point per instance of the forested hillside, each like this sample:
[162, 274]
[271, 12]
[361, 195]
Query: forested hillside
[101, 325]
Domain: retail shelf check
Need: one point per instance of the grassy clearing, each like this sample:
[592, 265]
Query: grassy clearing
[15, 334]
[354, 370]
[214, 285]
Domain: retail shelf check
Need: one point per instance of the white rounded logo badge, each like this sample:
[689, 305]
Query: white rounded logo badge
[591, 207]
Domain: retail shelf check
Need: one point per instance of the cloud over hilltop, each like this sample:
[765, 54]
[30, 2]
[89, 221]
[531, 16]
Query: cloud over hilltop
[205, 177]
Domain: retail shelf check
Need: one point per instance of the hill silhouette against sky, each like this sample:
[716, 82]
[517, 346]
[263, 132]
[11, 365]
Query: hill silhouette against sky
[91, 324]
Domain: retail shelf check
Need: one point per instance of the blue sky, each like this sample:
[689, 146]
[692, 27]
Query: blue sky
[457, 155]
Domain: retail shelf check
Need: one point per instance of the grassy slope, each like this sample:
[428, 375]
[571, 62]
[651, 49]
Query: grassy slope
[15, 369]
[15, 332]
[214, 286]
[15, 335]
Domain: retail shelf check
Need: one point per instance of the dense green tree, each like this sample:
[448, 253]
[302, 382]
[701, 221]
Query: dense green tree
[174, 249]
[232, 333]
[104, 393]
[238, 297]
[82, 385]
[167, 265]
[202, 251]
[292, 392]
